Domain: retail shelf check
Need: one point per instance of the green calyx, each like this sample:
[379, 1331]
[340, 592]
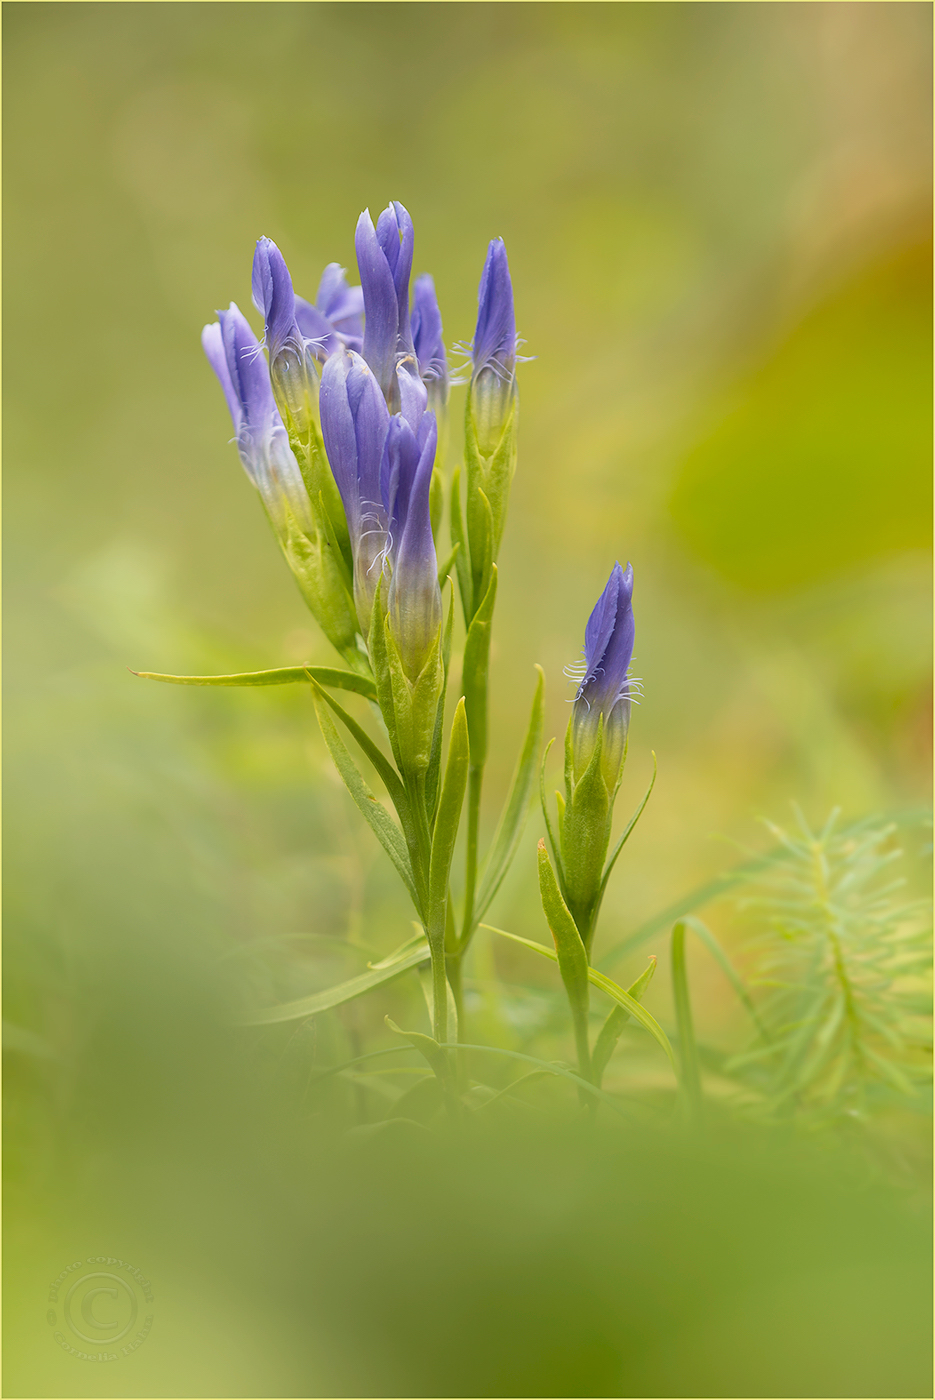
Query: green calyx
[409, 705]
[489, 476]
[584, 826]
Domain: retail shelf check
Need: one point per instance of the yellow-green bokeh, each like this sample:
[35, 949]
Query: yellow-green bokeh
[717, 222]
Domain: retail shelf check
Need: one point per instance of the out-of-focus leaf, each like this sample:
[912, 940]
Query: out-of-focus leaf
[287, 675]
[614, 1024]
[344, 991]
[428, 1048]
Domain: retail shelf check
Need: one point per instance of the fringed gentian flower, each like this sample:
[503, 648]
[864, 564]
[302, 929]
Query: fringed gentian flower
[604, 691]
[429, 343]
[292, 355]
[354, 423]
[384, 257]
[237, 359]
[337, 317]
[414, 601]
[493, 352]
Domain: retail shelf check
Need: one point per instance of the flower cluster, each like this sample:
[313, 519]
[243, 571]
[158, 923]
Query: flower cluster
[338, 426]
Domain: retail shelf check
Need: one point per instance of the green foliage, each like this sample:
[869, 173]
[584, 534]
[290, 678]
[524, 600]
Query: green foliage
[844, 963]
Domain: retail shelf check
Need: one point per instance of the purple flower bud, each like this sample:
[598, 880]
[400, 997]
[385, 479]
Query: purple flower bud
[337, 317]
[236, 357]
[384, 257]
[354, 423]
[429, 342]
[342, 305]
[493, 353]
[291, 357]
[605, 688]
[274, 298]
[414, 600]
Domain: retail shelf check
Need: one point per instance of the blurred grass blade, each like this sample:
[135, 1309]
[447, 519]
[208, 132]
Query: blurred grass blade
[688, 1050]
[374, 813]
[616, 1020]
[288, 675]
[513, 820]
[344, 991]
[598, 979]
[727, 967]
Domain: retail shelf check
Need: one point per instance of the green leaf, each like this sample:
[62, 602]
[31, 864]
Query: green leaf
[623, 840]
[688, 1050]
[616, 1020]
[428, 1048]
[556, 847]
[445, 568]
[551, 1067]
[379, 660]
[598, 979]
[393, 966]
[381, 763]
[462, 559]
[474, 672]
[324, 675]
[375, 814]
[572, 958]
[511, 824]
[449, 809]
[434, 769]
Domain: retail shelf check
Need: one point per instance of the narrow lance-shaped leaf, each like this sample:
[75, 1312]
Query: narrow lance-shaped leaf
[511, 824]
[409, 956]
[605, 984]
[381, 763]
[572, 958]
[543, 801]
[375, 814]
[287, 675]
[449, 809]
[616, 1020]
[624, 838]
[474, 672]
[462, 560]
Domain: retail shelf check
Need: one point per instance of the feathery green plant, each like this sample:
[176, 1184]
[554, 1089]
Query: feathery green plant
[844, 960]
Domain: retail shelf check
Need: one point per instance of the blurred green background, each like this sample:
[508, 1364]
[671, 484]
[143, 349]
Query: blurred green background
[717, 217]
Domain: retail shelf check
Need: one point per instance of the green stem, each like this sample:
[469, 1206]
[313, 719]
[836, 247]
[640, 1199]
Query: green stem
[468, 923]
[688, 1050]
